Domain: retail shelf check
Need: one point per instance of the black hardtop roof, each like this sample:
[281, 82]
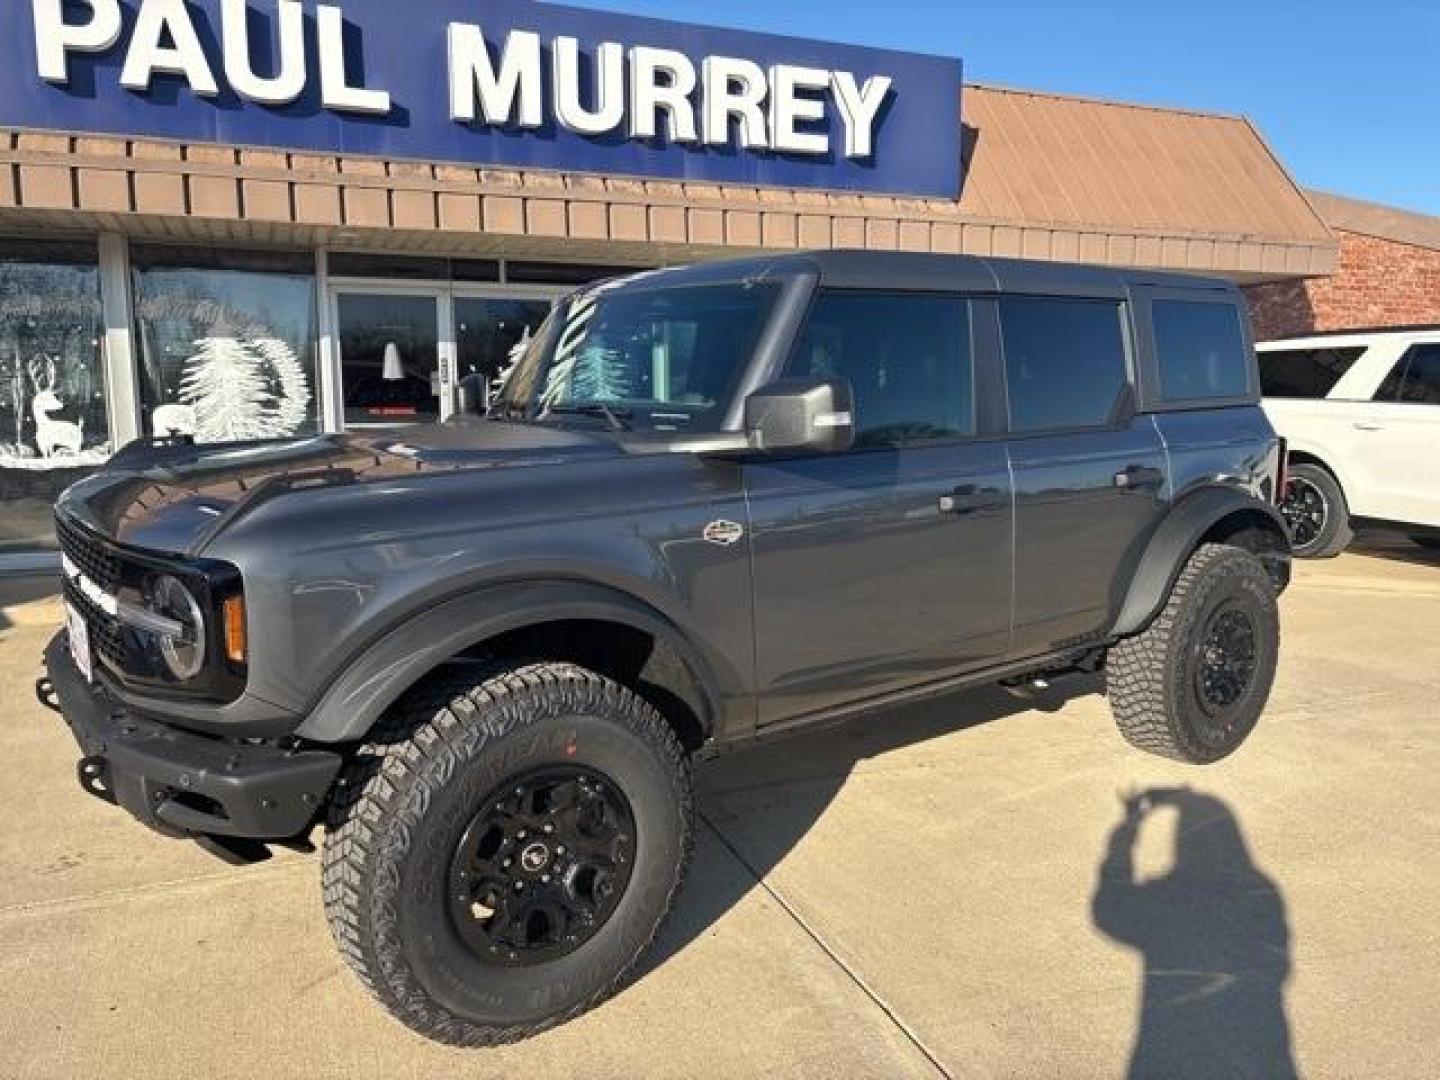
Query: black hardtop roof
[921, 272]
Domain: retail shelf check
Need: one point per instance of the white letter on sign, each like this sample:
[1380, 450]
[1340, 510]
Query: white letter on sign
[734, 87]
[184, 56]
[858, 108]
[335, 89]
[661, 79]
[788, 109]
[472, 75]
[609, 111]
[288, 83]
[55, 38]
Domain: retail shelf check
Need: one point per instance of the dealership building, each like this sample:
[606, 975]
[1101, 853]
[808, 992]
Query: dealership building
[276, 219]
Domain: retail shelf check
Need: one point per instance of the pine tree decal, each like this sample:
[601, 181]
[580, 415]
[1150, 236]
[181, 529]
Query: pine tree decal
[225, 384]
[601, 375]
[292, 404]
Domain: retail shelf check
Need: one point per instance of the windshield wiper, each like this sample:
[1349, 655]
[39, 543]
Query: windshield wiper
[618, 419]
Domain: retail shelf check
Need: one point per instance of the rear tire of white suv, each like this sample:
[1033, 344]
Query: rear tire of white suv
[1316, 512]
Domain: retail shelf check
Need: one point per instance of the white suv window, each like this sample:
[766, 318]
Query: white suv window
[1415, 379]
[1307, 372]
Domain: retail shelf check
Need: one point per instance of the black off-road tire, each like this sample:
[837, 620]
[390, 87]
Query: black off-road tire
[1334, 533]
[406, 800]
[1155, 682]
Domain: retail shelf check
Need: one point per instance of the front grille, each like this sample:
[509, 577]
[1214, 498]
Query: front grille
[104, 570]
[105, 631]
[112, 572]
[88, 554]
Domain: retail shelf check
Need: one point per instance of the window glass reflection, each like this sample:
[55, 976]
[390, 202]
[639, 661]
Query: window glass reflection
[227, 344]
[54, 427]
[490, 336]
[389, 350]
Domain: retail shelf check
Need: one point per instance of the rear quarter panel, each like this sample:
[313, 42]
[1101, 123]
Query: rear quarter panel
[1230, 447]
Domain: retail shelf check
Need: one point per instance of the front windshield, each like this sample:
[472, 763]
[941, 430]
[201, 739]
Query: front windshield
[649, 358]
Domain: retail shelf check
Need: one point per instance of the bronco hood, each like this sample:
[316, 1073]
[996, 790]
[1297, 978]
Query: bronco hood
[176, 498]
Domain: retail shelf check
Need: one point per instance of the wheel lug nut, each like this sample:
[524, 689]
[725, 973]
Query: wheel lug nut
[519, 886]
[507, 862]
[549, 828]
[560, 849]
[545, 878]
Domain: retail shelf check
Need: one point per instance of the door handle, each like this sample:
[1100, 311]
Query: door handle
[1369, 425]
[970, 499]
[1137, 477]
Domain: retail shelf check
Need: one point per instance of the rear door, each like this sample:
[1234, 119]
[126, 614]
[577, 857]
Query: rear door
[1090, 474]
[1305, 386]
[890, 565]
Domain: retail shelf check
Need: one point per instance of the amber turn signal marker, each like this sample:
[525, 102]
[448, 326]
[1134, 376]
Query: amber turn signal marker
[235, 643]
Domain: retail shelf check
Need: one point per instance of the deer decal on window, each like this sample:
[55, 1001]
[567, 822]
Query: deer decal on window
[52, 437]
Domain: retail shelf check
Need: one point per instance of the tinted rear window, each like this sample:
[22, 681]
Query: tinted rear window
[1416, 378]
[1200, 346]
[1305, 373]
[1064, 362]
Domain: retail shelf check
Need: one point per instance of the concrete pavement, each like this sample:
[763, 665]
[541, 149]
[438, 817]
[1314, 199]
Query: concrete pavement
[913, 895]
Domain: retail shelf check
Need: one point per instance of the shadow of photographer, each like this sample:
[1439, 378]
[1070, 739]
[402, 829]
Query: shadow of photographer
[1213, 936]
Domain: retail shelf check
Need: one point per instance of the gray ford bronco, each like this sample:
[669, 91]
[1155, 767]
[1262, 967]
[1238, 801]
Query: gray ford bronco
[710, 505]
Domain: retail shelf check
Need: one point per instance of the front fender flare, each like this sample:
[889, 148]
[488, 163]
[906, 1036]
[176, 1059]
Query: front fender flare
[374, 679]
[1187, 523]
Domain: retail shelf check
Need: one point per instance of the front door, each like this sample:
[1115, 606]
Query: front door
[888, 566]
[391, 368]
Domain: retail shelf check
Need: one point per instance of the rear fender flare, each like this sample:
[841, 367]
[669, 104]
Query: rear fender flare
[1177, 538]
[374, 679]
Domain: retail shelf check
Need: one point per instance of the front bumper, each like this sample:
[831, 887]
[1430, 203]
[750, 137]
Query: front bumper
[182, 784]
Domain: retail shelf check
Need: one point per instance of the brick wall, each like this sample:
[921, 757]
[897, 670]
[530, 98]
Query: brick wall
[1379, 283]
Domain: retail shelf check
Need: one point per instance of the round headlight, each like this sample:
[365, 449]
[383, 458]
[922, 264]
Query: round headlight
[184, 653]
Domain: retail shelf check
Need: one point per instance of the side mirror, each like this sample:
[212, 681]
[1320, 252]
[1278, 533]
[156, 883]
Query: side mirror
[801, 416]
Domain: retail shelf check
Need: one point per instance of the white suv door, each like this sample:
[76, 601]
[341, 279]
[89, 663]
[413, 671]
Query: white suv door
[1394, 443]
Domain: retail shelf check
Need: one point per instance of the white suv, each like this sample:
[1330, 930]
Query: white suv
[1361, 411]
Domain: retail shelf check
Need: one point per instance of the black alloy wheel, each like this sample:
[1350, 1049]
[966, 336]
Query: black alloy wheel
[1316, 512]
[1305, 510]
[542, 866]
[1224, 670]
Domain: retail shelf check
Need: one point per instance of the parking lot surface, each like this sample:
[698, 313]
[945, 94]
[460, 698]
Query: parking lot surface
[953, 889]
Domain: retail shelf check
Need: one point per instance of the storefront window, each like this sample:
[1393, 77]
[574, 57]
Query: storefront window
[227, 343]
[490, 335]
[53, 422]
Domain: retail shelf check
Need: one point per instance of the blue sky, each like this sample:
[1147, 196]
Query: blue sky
[1346, 91]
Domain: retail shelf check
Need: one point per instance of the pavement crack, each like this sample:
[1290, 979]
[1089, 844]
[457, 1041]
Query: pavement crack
[901, 1025]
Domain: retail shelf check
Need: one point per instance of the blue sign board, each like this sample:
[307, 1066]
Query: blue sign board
[495, 82]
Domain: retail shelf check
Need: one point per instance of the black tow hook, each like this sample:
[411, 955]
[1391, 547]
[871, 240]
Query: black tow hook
[45, 694]
[94, 773]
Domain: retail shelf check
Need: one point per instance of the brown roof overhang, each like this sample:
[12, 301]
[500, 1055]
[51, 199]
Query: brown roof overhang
[1047, 177]
[1374, 219]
